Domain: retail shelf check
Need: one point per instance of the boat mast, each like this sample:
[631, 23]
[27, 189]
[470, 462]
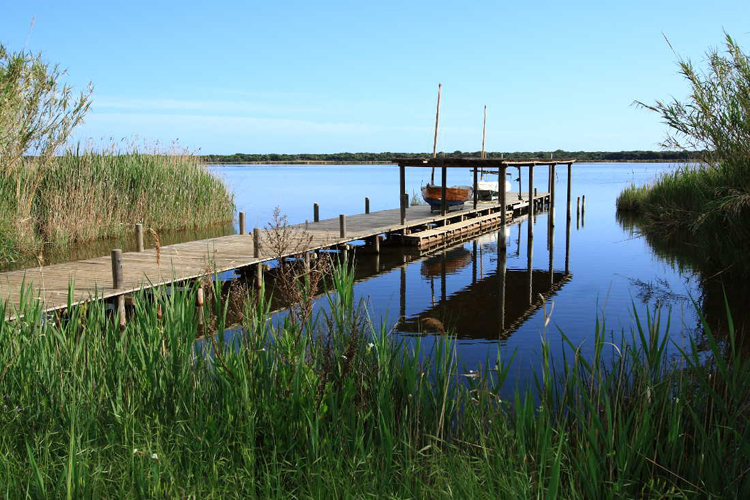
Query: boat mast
[434, 141]
[484, 131]
[484, 135]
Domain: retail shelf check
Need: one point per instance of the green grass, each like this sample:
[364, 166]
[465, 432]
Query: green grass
[338, 408]
[82, 197]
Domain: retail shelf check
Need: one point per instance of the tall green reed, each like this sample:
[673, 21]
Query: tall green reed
[334, 406]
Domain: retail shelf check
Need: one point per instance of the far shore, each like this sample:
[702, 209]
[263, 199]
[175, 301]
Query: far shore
[326, 162]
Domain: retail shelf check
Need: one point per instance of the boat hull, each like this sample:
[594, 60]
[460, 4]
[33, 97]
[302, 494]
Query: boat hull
[454, 196]
[487, 190]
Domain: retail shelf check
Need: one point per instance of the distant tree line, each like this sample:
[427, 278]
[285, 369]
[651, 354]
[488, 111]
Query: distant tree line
[655, 156]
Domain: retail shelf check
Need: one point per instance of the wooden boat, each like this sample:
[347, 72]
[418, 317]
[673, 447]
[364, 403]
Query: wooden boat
[454, 195]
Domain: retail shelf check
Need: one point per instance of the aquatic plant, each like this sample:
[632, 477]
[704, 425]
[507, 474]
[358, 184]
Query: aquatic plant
[332, 406]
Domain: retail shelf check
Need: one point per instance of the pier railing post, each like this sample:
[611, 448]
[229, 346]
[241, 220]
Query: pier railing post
[401, 182]
[118, 283]
[342, 225]
[242, 222]
[116, 255]
[139, 236]
[367, 205]
[316, 212]
[256, 242]
[404, 204]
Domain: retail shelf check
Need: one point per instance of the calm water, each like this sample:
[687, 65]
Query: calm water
[611, 271]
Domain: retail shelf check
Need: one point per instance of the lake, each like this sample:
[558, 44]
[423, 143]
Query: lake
[613, 274]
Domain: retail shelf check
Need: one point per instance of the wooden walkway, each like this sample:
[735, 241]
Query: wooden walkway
[184, 261]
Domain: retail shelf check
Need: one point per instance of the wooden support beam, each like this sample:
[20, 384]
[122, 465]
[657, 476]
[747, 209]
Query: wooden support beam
[342, 225]
[316, 212]
[401, 181]
[367, 205]
[242, 222]
[532, 207]
[443, 190]
[476, 186]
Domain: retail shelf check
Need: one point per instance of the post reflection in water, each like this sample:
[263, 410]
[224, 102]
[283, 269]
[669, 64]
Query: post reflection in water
[502, 262]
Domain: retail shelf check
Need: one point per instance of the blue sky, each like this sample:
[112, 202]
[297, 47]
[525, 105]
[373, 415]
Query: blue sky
[290, 77]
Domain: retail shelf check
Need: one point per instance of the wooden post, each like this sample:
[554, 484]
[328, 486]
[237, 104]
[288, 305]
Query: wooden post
[531, 210]
[199, 309]
[256, 242]
[401, 183]
[306, 262]
[519, 183]
[583, 204]
[550, 175]
[476, 185]
[118, 283]
[502, 197]
[342, 225]
[139, 236]
[367, 205]
[443, 190]
[578, 207]
[116, 255]
[552, 197]
[376, 243]
[404, 203]
[259, 275]
[242, 222]
[316, 212]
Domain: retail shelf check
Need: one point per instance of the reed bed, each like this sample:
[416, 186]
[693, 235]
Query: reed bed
[333, 407]
[79, 197]
[706, 206]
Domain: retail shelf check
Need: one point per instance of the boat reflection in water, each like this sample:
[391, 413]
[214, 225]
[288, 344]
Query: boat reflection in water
[497, 301]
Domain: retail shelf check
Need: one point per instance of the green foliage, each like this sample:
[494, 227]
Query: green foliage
[334, 408]
[707, 203]
[37, 111]
[48, 198]
[593, 156]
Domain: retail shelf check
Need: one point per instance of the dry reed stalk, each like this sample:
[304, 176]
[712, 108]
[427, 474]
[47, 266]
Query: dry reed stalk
[157, 245]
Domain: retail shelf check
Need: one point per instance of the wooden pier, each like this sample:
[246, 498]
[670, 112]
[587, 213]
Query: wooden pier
[58, 286]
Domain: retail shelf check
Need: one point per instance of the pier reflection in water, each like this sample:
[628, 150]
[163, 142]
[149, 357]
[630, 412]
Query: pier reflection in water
[495, 302]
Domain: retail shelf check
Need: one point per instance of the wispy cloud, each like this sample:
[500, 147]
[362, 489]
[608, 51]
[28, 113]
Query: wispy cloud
[242, 106]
